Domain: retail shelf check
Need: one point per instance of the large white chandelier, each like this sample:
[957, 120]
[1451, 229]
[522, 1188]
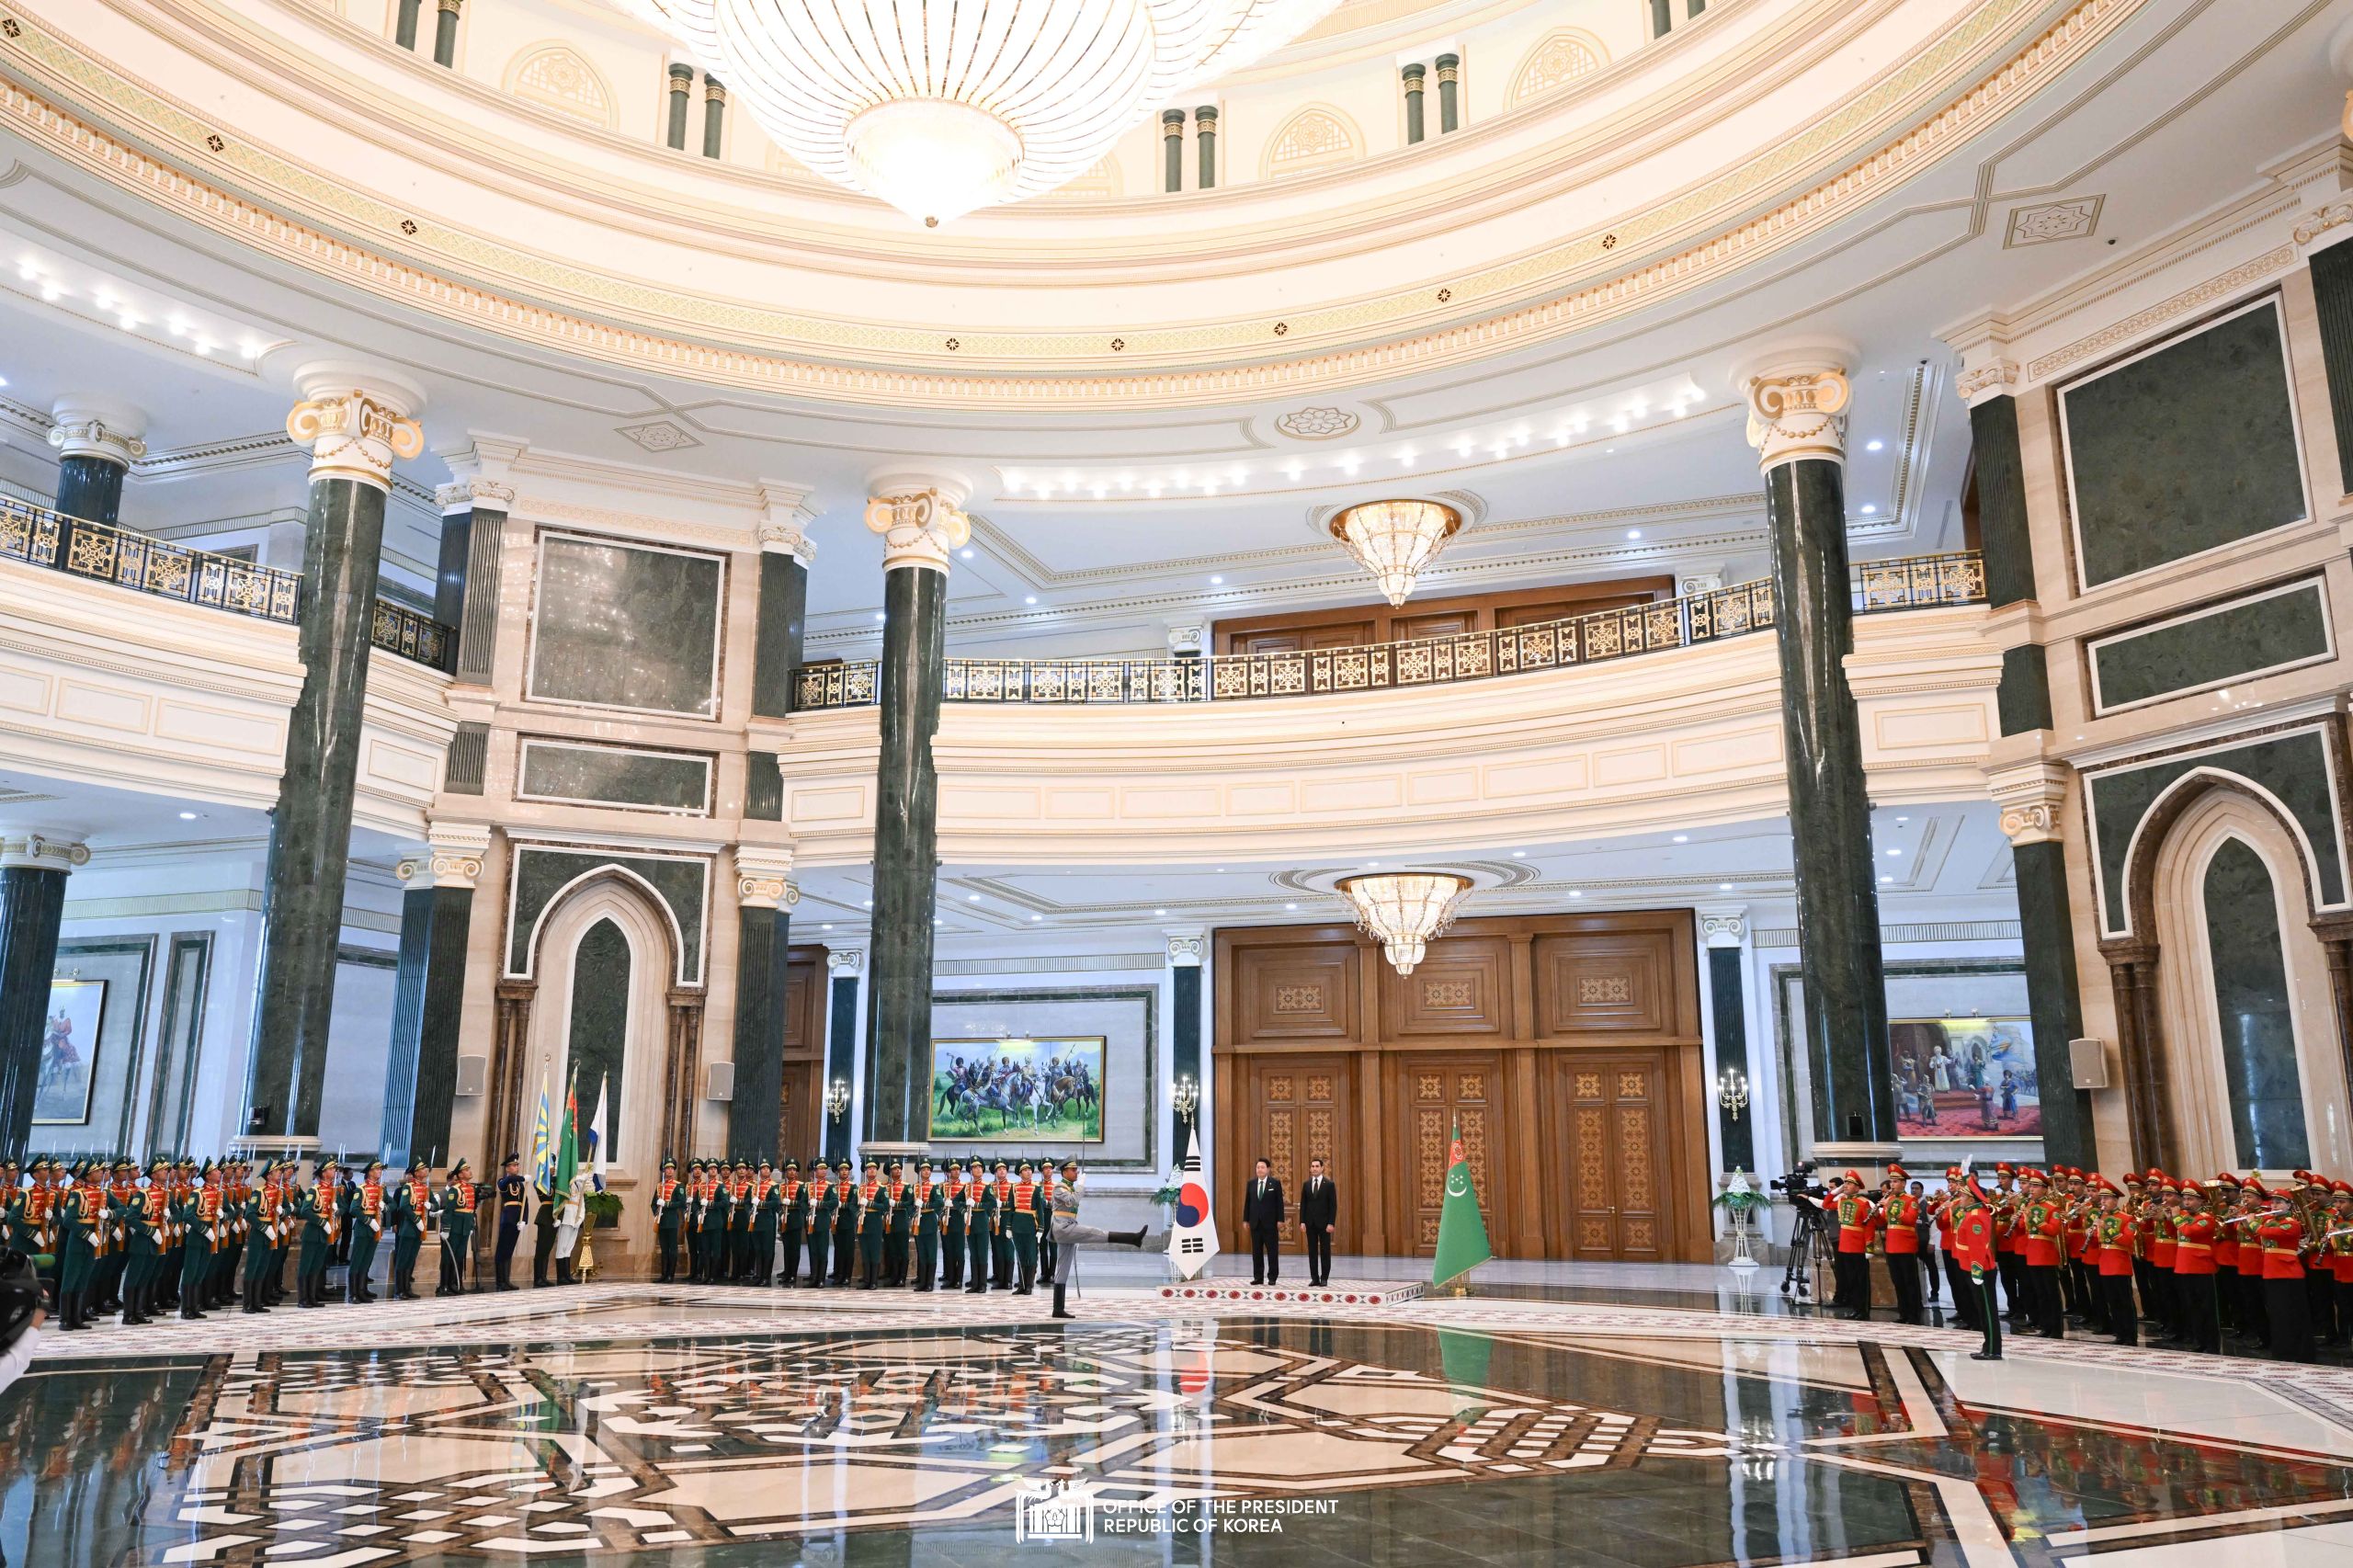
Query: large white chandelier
[939, 107]
[1395, 540]
[1404, 909]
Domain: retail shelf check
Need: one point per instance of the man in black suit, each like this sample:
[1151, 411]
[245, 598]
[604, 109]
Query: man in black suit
[1319, 1215]
[1263, 1211]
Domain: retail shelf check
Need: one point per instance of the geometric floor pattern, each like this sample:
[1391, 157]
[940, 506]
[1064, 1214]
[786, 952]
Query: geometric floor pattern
[1470, 1432]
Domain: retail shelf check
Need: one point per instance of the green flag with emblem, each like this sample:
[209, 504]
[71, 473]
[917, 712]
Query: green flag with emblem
[1461, 1230]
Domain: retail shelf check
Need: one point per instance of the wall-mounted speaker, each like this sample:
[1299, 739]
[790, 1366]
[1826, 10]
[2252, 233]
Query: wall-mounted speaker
[2087, 1060]
[719, 1081]
[473, 1074]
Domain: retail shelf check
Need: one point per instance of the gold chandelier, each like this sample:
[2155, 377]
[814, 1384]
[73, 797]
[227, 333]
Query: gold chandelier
[1404, 909]
[1395, 540]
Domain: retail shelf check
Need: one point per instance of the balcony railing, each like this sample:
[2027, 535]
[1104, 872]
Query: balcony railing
[84, 549]
[1911, 582]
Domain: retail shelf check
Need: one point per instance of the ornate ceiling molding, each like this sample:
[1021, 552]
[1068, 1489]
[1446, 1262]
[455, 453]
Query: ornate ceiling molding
[1572, 285]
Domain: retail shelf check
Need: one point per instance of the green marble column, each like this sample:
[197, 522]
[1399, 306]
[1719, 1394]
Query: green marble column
[96, 443]
[841, 1045]
[404, 29]
[445, 33]
[1662, 17]
[921, 528]
[354, 436]
[1186, 952]
[1172, 147]
[714, 116]
[1724, 930]
[1205, 139]
[428, 998]
[1796, 421]
[682, 86]
[473, 607]
[32, 904]
[785, 554]
[763, 941]
[1450, 93]
[1413, 76]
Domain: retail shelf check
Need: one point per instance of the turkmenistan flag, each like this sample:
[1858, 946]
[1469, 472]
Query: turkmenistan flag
[1462, 1231]
[567, 1153]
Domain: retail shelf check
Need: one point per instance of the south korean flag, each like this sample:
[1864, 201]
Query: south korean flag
[1192, 1240]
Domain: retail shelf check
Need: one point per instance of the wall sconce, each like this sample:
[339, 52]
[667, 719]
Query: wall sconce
[1732, 1091]
[837, 1098]
[1185, 1096]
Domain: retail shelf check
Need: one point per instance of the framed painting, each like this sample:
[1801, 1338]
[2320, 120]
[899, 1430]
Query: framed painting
[1017, 1090]
[1965, 1078]
[69, 1052]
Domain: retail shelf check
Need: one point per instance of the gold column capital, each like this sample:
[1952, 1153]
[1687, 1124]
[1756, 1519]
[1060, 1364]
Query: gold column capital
[919, 527]
[1797, 413]
[355, 424]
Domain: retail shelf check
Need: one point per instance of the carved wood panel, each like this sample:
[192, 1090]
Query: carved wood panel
[1296, 1109]
[1615, 1169]
[1593, 983]
[1462, 988]
[1294, 992]
[1441, 1092]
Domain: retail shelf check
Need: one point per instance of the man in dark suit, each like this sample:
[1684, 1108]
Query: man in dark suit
[1319, 1215]
[1263, 1211]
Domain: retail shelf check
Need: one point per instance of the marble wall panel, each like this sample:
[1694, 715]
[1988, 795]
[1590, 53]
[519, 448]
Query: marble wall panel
[619, 776]
[2211, 646]
[626, 626]
[540, 872]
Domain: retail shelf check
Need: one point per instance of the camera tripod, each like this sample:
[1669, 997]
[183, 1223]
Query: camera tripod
[1810, 1234]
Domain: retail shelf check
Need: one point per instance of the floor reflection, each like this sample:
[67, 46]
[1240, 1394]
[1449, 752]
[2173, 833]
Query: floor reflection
[1234, 1440]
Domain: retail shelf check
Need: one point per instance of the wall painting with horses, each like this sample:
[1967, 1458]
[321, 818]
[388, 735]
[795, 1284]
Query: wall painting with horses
[1017, 1090]
[69, 1052]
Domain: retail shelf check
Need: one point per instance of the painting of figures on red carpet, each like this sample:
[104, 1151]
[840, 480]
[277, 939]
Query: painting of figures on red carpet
[1965, 1078]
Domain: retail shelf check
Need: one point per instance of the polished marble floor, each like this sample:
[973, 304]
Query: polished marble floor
[638, 1424]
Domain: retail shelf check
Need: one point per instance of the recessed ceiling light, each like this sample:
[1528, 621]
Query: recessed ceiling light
[972, 898]
[1575, 893]
[869, 903]
[1519, 854]
[880, 616]
[1887, 879]
[1723, 887]
[1216, 580]
[1030, 600]
[187, 816]
[1894, 853]
[1873, 446]
[966, 553]
[828, 925]
[1908, 819]
[1870, 511]
[1160, 912]
[1682, 838]
[1290, 906]
[1633, 533]
[1036, 917]
[1607, 450]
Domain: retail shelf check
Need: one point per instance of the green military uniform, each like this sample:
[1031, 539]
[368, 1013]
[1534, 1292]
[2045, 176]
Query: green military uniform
[199, 1235]
[259, 1243]
[407, 1216]
[669, 1203]
[903, 1225]
[952, 1244]
[931, 1208]
[874, 1223]
[363, 1219]
[106, 1283]
[317, 1213]
[767, 1204]
[1024, 1226]
[846, 1224]
[824, 1203]
[1001, 1228]
[81, 1231]
[460, 1202]
[794, 1220]
[718, 1213]
[144, 1225]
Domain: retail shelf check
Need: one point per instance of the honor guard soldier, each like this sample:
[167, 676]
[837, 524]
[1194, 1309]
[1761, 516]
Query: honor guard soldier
[146, 1225]
[1900, 1218]
[931, 1205]
[260, 1237]
[106, 1290]
[1974, 1246]
[1854, 1215]
[980, 1228]
[2196, 1236]
[319, 1212]
[363, 1215]
[691, 1194]
[669, 1220]
[955, 1208]
[846, 1223]
[1043, 1201]
[2044, 1229]
[739, 1223]
[198, 1235]
[824, 1203]
[873, 1224]
[791, 1223]
[718, 1213]
[1001, 1228]
[82, 1229]
[903, 1225]
[2112, 1234]
[767, 1207]
[410, 1201]
[460, 1201]
[1024, 1229]
[510, 1219]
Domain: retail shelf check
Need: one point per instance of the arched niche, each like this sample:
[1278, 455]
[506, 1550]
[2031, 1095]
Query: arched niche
[2210, 845]
[558, 75]
[1317, 136]
[1557, 59]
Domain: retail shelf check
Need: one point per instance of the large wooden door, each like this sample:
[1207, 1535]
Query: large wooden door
[1297, 1109]
[1613, 1110]
[1438, 1091]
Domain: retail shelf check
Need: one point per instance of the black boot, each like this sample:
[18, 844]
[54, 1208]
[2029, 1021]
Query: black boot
[1060, 1310]
[1127, 1238]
